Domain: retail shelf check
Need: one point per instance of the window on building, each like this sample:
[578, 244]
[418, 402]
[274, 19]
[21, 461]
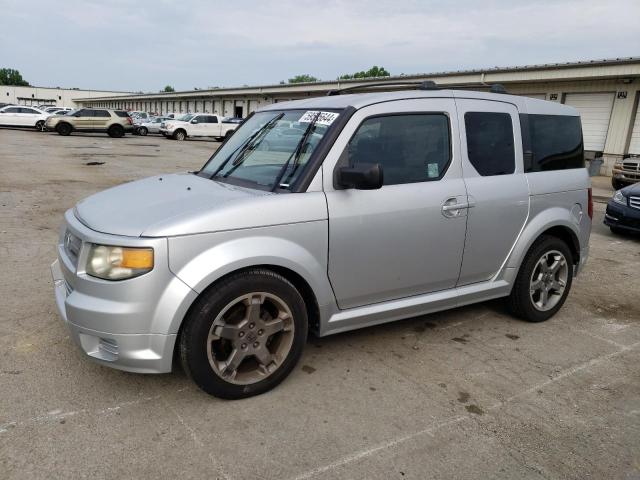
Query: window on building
[490, 144]
[551, 142]
[410, 148]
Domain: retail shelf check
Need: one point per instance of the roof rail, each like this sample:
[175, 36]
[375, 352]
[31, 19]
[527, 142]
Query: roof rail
[420, 85]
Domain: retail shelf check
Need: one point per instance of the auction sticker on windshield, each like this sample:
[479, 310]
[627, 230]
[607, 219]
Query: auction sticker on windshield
[325, 118]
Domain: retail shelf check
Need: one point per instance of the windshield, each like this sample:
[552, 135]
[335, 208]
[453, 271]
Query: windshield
[185, 118]
[270, 149]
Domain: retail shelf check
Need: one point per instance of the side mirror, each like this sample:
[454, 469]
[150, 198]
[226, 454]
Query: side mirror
[194, 121]
[365, 176]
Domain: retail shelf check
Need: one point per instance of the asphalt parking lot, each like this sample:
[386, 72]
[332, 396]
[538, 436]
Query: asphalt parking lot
[469, 393]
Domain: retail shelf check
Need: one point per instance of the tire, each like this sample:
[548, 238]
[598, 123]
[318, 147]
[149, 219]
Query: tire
[40, 126]
[179, 135]
[219, 329]
[529, 304]
[617, 231]
[143, 131]
[116, 131]
[617, 184]
[64, 129]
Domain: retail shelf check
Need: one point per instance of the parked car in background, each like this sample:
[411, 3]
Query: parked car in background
[19, 116]
[626, 172]
[2, 105]
[57, 109]
[232, 120]
[197, 125]
[137, 114]
[388, 206]
[113, 122]
[623, 210]
[150, 126]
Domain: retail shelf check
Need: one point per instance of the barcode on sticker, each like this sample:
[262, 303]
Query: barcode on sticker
[325, 118]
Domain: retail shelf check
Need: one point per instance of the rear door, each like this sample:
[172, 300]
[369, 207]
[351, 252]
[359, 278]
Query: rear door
[101, 119]
[406, 238]
[497, 188]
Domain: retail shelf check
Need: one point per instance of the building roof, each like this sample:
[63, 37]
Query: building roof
[453, 77]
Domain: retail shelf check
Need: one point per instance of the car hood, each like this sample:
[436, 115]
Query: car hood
[632, 190]
[160, 205]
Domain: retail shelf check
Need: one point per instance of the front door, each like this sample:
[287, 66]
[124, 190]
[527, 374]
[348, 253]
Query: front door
[84, 119]
[496, 185]
[406, 238]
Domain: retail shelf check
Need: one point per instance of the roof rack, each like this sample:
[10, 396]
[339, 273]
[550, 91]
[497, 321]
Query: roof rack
[422, 85]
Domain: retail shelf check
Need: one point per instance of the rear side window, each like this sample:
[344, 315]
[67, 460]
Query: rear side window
[410, 148]
[122, 114]
[490, 144]
[101, 113]
[85, 113]
[551, 142]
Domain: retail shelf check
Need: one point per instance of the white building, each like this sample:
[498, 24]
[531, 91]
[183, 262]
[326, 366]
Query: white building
[605, 91]
[56, 97]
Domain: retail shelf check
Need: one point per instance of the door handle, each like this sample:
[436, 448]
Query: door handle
[451, 208]
[455, 206]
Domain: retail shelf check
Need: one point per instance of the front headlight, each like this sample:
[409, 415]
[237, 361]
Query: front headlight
[619, 197]
[118, 263]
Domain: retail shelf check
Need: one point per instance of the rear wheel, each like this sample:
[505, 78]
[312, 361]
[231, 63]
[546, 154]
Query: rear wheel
[143, 131]
[179, 135]
[64, 129]
[543, 282]
[116, 131]
[245, 335]
[40, 125]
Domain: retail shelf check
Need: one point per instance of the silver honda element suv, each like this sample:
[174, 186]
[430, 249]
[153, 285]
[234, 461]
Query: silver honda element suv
[327, 215]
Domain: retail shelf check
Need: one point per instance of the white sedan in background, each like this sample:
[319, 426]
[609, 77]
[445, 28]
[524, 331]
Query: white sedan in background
[19, 116]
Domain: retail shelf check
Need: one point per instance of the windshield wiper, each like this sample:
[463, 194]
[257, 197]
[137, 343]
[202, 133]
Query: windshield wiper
[295, 155]
[240, 151]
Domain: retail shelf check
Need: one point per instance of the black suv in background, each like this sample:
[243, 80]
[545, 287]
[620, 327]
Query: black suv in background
[623, 210]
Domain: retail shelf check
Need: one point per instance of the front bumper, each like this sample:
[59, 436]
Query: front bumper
[626, 176]
[141, 353]
[130, 325]
[622, 217]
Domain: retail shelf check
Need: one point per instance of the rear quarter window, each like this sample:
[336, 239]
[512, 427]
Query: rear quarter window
[490, 143]
[551, 142]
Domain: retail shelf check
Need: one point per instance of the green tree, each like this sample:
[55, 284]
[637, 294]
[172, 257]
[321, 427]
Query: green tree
[168, 88]
[304, 78]
[9, 76]
[374, 71]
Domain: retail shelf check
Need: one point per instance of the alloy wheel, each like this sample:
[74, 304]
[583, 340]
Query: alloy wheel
[548, 280]
[250, 338]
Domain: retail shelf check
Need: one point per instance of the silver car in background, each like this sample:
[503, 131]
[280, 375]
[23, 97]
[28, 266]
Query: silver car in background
[376, 208]
[145, 127]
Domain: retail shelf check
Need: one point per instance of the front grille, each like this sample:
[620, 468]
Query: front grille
[72, 245]
[631, 166]
[634, 202]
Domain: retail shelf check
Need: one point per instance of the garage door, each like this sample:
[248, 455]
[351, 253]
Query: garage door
[634, 145]
[595, 110]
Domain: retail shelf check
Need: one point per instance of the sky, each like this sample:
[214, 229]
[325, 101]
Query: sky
[127, 45]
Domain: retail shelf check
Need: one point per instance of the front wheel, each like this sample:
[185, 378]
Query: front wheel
[179, 135]
[543, 282]
[617, 184]
[40, 126]
[63, 129]
[243, 336]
